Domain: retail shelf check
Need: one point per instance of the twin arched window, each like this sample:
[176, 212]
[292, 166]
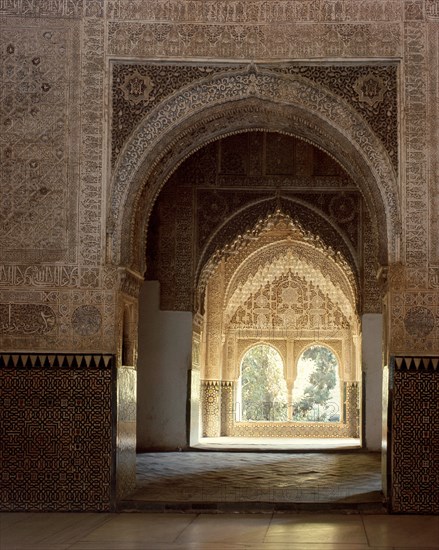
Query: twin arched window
[263, 393]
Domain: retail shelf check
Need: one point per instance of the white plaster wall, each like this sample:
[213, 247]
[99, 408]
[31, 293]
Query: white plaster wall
[372, 329]
[165, 343]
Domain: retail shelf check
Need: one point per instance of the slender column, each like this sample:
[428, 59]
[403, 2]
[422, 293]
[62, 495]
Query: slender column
[214, 336]
[290, 401]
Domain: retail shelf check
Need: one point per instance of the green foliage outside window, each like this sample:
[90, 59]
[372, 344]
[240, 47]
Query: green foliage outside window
[264, 395]
[319, 401]
[263, 386]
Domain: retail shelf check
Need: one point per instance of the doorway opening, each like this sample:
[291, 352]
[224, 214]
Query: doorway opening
[279, 340]
[263, 239]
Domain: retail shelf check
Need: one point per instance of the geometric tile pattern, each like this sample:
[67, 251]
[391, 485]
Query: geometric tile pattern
[415, 436]
[56, 429]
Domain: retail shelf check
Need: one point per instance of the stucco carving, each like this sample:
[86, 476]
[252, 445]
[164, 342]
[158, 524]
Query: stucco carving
[414, 324]
[92, 142]
[211, 208]
[433, 137]
[281, 291]
[432, 9]
[419, 321]
[26, 319]
[415, 83]
[269, 262]
[250, 41]
[288, 302]
[86, 320]
[313, 99]
[53, 254]
[307, 215]
[129, 282]
[40, 136]
[138, 88]
[257, 11]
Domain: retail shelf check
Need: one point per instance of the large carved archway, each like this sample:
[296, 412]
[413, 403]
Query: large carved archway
[240, 101]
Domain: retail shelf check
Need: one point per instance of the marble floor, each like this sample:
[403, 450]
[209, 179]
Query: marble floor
[266, 480]
[274, 531]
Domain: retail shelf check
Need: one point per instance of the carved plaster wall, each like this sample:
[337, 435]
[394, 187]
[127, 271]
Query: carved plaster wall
[54, 292]
[57, 289]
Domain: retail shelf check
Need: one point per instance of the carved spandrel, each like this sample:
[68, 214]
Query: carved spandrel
[138, 88]
[380, 192]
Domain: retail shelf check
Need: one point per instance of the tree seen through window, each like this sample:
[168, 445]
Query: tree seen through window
[264, 394]
[263, 386]
[316, 393]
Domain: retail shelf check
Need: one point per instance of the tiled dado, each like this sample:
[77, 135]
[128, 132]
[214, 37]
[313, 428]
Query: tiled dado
[414, 428]
[56, 432]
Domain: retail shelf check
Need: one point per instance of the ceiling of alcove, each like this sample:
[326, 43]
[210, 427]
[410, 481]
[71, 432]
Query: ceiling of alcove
[227, 186]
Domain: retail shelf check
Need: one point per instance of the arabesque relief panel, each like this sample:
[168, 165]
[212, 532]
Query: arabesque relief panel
[258, 11]
[39, 153]
[343, 28]
[433, 118]
[55, 292]
[414, 318]
[57, 57]
[279, 292]
[232, 102]
[295, 40]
